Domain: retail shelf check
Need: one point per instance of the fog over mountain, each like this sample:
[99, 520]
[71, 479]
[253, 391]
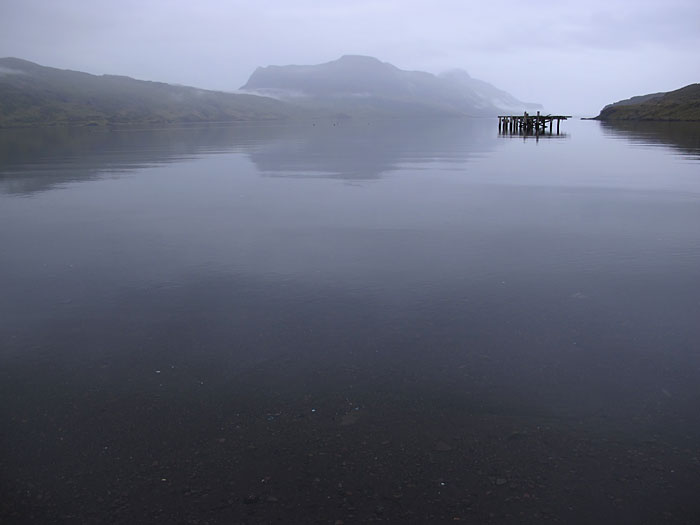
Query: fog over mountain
[352, 86]
[362, 84]
[481, 92]
[573, 57]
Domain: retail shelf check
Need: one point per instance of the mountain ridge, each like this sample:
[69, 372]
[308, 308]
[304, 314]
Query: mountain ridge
[351, 86]
[341, 83]
[36, 95]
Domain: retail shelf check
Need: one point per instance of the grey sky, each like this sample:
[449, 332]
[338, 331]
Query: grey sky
[568, 56]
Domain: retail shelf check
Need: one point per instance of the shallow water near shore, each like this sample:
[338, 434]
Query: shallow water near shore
[399, 321]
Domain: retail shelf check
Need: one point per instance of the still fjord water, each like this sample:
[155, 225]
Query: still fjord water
[403, 321]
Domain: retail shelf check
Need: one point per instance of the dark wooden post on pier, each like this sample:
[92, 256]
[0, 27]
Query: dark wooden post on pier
[526, 124]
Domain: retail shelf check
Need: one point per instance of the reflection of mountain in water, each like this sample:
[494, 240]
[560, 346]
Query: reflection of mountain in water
[366, 150]
[682, 136]
[34, 160]
[39, 159]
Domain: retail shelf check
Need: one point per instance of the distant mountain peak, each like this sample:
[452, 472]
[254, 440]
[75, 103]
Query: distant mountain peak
[16, 61]
[12, 65]
[359, 58]
[359, 63]
[363, 83]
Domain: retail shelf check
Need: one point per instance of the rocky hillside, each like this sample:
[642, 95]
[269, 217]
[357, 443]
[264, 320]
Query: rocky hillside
[681, 104]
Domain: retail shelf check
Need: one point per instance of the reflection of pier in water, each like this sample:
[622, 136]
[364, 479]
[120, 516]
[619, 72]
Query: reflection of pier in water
[527, 124]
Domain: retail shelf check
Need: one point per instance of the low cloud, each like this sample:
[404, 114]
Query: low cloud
[8, 71]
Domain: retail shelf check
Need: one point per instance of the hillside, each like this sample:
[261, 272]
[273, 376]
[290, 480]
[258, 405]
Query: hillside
[352, 86]
[31, 95]
[355, 85]
[681, 104]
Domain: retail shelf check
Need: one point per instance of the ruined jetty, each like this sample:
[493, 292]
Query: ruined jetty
[529, 124]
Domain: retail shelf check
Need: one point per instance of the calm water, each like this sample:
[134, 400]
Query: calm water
[410, 321]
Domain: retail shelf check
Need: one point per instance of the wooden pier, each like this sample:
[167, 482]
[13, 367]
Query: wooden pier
[529, 124]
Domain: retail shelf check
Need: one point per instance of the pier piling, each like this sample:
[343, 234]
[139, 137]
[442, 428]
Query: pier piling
[527, 124]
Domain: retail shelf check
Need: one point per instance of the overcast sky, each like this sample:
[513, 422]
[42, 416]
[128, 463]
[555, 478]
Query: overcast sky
[571, 56]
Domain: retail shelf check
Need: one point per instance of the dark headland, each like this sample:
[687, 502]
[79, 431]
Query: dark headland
[681, 104]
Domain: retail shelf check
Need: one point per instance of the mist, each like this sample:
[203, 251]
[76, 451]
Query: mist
[568, 57]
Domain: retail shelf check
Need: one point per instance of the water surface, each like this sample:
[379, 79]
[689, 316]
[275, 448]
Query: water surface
[403, 321]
